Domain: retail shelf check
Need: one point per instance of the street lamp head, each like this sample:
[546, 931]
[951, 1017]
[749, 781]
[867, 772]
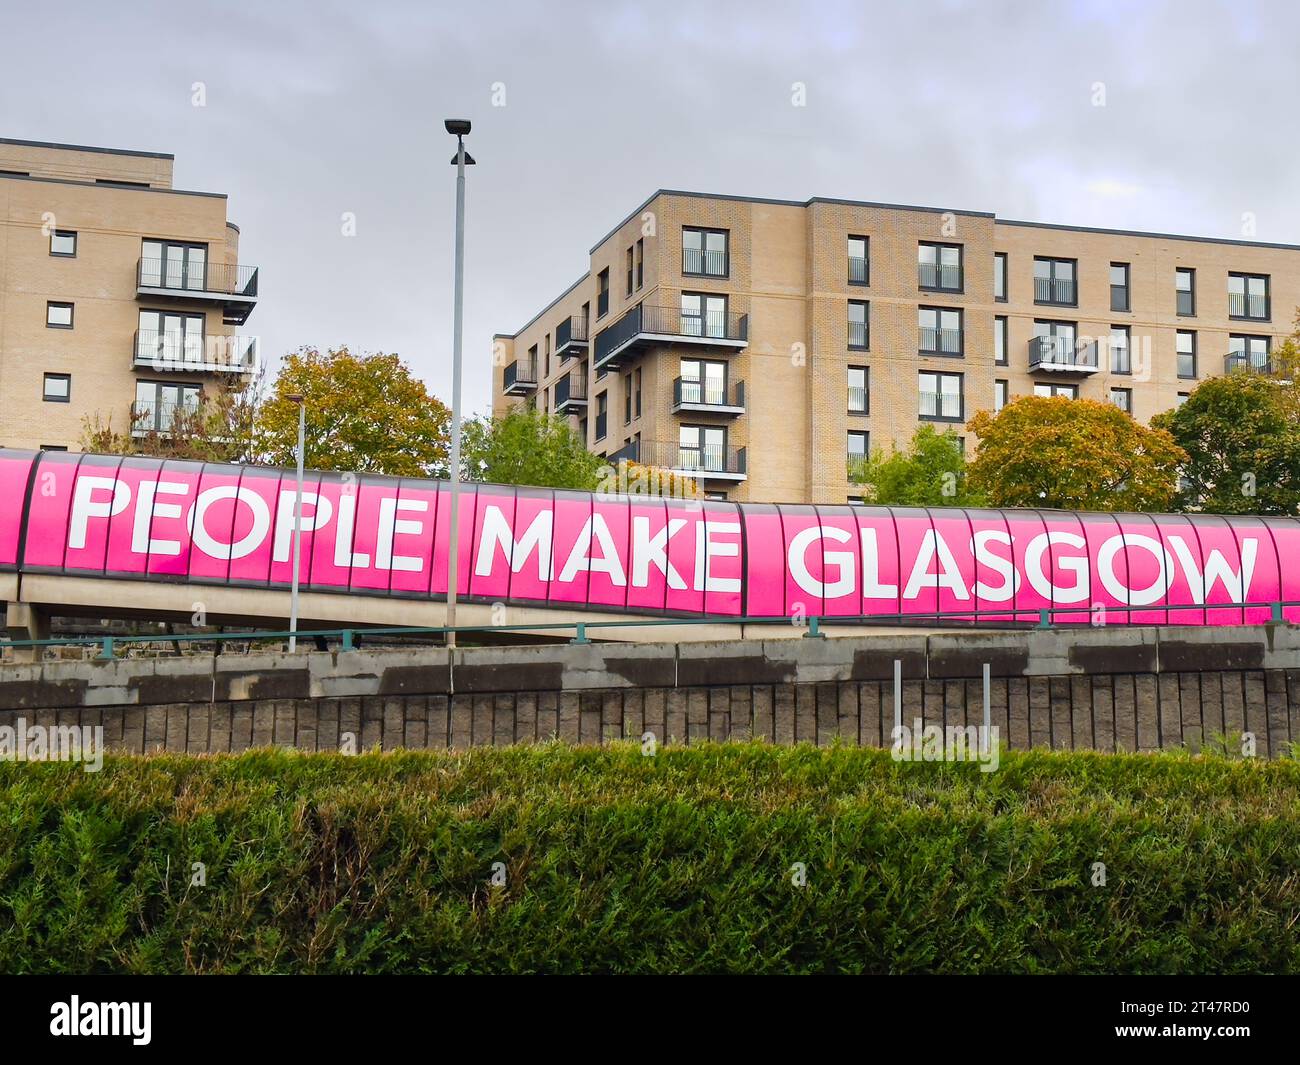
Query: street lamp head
[295, 397]
[457, 127]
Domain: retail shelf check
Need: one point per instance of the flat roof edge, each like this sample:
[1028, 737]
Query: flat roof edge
[86, 148]
[1147, 233]
[106, 185]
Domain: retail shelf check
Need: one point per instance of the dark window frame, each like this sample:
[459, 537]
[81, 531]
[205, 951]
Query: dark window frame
[961, 396]
[704, 231]
[1128, 350]
[64, 233]
[865, 454]
[602, 294]
[939, 245]
[1191, 291]
[72, 315]
[50, 376]
[1053, 260]
[960, 312]
[1003, 384]
[1001, 327]
[1128, 399]
[1194, 353]
[1002, 265]
[1268, 297]
[866, 392]
[866, 261]
[866, 325]
[1127, 288]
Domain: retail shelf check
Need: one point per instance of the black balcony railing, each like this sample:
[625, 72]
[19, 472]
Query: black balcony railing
[519, 376]
[185, 351]
[704, 263]
[226, 279]
[705, 459]
[1054, 290]
[569, 335]
[1252, 361]
[858, 335]
[631, 452]
[155, 416]
[943, 278]
[1242, 305]
[694, 392]
[940, 341]
[857, 270]
[570, 390]
[1062, 353]
[942, 405]
[672, 322]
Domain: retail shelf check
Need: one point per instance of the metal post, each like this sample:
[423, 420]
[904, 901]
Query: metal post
[988, 714]
[297, 528]
[453, 551]
[898, 693]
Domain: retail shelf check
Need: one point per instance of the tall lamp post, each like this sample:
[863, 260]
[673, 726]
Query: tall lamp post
[458, 128]
[297, 523]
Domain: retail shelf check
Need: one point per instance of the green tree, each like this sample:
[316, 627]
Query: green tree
[1241, 434]
[528, 447]
[365, 413]
[1076, 454]
[930, 472]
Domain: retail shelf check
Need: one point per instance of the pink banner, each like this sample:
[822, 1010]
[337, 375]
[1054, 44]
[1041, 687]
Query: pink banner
[149, 519]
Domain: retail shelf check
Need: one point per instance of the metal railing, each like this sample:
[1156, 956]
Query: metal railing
[947, 278]
[859, 398]
[1253, 361]
[1062, 352]
[571, 388]
[520, 375]
[1242, 305]
[669, 321]
[706, 458]
[1054, 290]
[857, 334]
[857, 270]
[940, 341]
[707, 392]
[184, 351]
[225, 278]
[941, 405]
[570, 332]
[704, 262]
[352, 638]
[157, 416]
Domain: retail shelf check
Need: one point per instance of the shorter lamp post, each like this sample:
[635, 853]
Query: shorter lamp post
[297, 523]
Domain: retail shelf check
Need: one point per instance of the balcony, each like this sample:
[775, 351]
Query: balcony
[571, 337]
[857, 270]
[519, 379]
[233, 287]
[629, 452]
[701, 263]
[644, 326]
[939, 278]
[942, 406]
[571, 393]
[1241, 305]
[163, 352]
[707, 463]
[1249, 361]
[693, 396]
[152, 416]
[1055, 290]
[1061, 354]
[940, 341]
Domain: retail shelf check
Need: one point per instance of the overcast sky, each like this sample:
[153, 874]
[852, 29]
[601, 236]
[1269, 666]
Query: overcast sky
[316, 109]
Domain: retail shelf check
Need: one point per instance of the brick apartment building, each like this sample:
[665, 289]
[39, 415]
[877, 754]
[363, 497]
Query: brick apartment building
[763, 344]
[120, 296]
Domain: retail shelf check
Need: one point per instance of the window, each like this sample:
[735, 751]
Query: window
[175, 337]
[54, 447]
[627, 399]
[1050, 391]
[858, 449]
[859, 268]
[859, 390]
[637, 400]
[999, 395]
[1185, 345]
[547, 350]
[1248, 353]
[546, 400]
[702, 447]
[532, 364]
[858, 324]
[1000, 276]
[57, 388]
[640, 263]
[703, 315]
[938, 266]
[157, 404]
[602, 410]
[704, 252]
[941, 396]
[702, 382]
[1119, 296]
[171, 265]
[1120, 353]
[941, 330]
[1123, 399]
[1056, 344]
[1248, 296]
[64, 242]
[602, 293]
[631, 268]
[1000, 340]
[58, 315]
[1185, 291]
[1183, 397]
[1054, 281]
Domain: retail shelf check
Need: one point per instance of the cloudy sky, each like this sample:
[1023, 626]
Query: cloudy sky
[317, 109]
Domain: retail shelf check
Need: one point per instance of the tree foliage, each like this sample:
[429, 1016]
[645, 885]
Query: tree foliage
[930, 472]
[365, 413]
[1241, 434]
[531, 448]
[1075, 454]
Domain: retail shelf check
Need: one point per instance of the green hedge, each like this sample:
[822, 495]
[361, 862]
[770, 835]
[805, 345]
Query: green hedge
[679, 862]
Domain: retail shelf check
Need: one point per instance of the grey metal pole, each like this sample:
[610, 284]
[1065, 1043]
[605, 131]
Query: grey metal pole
[297, 528]
[453, 550]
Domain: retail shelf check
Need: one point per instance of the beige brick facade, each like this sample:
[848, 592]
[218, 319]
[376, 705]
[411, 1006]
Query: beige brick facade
[115, 202]
[787, 271]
